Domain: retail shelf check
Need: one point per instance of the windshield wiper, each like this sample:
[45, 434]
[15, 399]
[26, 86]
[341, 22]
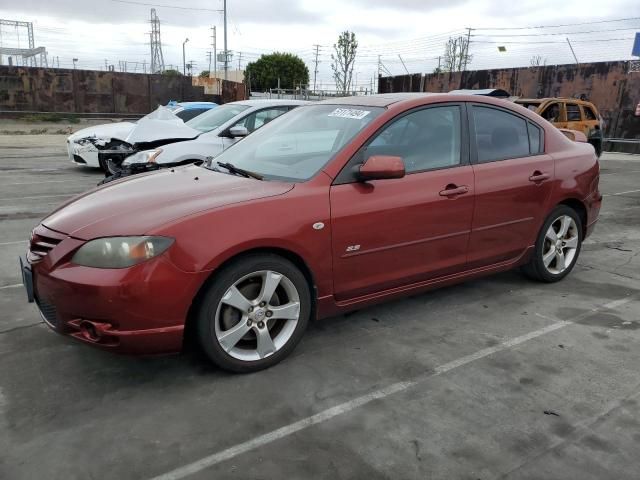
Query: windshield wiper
[239, 171]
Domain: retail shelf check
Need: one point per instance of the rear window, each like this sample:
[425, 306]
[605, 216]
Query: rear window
[188, 114]
[573, 113]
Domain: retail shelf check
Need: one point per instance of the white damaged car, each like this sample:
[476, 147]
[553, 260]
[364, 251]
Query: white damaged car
[148, 148]
[82, 150]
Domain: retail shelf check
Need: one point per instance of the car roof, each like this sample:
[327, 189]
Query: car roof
[190, 105]
[377, 100]
[271, 102]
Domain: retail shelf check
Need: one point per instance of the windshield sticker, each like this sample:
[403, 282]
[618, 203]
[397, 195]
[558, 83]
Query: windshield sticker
[349, 113]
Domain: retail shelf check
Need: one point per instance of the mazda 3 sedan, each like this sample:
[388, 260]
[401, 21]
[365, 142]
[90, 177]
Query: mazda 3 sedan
[330, 208]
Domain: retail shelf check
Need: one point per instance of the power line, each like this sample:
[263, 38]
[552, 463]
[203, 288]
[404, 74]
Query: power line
[556, 33]
[167, 6]
[561, 25]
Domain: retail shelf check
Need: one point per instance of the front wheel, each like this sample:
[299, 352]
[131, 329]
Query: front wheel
[254, 313]
[557, 247]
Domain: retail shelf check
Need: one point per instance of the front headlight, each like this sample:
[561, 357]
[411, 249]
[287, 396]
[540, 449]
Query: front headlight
[120, 252]
[148, 156]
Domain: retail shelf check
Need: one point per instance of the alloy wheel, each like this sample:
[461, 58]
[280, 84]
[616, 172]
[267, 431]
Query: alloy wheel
[560, 245]
[257, 315]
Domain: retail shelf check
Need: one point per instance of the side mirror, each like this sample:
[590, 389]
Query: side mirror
[238, 131]
[380, 167]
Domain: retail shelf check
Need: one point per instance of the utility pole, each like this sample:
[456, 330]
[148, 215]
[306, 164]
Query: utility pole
[315, 71]
[466, 49]
[405, 67]
[572, 52]
[226, 51]
[106, 64]
[239, 61]
[215, 55]
[209, 58]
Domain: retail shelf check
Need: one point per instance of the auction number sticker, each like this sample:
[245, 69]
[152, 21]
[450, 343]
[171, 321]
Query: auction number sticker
[349, 113]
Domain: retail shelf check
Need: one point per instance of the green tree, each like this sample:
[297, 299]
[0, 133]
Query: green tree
[172, 73]
[204, 74]
[343, 59]
[263, 74]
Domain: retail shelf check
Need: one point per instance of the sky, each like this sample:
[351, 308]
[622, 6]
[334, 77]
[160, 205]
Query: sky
[408, 35]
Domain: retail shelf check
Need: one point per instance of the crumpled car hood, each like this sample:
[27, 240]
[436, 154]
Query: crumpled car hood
[140, 203]
[159, 125]
[117, 130]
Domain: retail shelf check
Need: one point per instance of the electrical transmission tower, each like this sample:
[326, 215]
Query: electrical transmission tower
[157, 59]
[29, 55]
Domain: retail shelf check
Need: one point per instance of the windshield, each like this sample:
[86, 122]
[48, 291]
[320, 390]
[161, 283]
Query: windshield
[295, 146]
[216, 117]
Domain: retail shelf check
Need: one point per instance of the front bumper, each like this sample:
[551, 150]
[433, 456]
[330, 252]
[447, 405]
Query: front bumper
[85, 155]
[137, 310]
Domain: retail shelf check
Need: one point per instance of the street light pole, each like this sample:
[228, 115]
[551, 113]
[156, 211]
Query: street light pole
[184, 62]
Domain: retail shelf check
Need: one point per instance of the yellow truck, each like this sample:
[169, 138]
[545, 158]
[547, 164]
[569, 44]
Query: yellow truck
[570, 113]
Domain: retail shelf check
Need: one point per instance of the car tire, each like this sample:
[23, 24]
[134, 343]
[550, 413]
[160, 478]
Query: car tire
[253, 313]
[557, 247]
[103, 167]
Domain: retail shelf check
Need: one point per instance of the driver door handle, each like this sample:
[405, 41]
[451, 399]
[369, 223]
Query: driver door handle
[538, 176]
[452, 190]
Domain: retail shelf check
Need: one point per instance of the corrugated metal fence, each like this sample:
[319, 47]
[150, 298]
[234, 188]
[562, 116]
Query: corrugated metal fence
[610, 85]
[89, 91]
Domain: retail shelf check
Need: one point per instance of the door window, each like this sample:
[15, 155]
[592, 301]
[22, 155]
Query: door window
[589, 114]
[535, 139]
[499, 135]
[256, 120]
[573, 112]
[551, 113]
[426, 139]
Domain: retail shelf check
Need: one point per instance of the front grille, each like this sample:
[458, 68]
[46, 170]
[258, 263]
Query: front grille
[78, 159]
[48, 311]
[41, 243]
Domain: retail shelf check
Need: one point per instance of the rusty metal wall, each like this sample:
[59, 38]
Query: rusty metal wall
[609, 85]
[89, 91]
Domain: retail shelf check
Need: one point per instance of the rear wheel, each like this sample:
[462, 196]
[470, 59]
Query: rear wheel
[557, 247]
[254, 313]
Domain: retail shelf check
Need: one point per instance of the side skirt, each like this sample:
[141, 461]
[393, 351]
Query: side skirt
[329, 307]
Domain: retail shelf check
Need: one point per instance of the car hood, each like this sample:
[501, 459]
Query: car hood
[118, 130]
[138, 204]
[160, 125]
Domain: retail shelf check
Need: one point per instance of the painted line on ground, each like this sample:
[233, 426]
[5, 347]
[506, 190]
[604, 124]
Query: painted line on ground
[15, 285]
[42, 196]
[328, 414]
[17, 242]
[37, 183]
[620, 193]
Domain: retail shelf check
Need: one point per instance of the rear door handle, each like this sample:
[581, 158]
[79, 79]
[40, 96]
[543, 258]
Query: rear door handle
[452, 190]
[539, 176]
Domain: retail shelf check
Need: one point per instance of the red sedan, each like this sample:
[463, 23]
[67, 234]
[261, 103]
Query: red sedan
[331, 207]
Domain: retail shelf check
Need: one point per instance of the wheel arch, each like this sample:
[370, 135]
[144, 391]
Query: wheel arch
[580, 208]
[287, 254]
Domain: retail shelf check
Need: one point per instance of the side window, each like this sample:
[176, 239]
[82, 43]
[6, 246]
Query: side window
[589, 114]
[425, 139]
[499, 135]
[257, 119]
[573, 112]
[535, 139]
[551, 113]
